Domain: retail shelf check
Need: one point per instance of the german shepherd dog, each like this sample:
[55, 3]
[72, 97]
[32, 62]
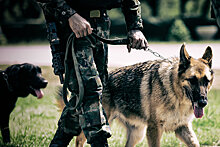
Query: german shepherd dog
[158, 96]
[18, 80]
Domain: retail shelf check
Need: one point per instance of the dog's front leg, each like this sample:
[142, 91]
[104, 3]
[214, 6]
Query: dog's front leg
[154, 133]
[5, 128]
[187, 135]
[5, 135]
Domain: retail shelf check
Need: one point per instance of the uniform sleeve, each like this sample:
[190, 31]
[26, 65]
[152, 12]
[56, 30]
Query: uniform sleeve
[132, 12]
[57, 8]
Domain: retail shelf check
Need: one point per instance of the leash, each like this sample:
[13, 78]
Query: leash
[157, 54]
[118, 41]
[70, 41]
[126, 41]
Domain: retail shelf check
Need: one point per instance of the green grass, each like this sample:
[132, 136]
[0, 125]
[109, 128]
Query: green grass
[33, 122]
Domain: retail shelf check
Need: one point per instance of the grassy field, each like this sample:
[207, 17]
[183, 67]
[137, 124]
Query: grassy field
[33, 122]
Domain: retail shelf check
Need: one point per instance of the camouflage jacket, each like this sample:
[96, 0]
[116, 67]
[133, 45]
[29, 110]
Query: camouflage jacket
[61, 11]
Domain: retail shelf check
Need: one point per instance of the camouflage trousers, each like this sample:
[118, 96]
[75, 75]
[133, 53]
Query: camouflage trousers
[92, 60]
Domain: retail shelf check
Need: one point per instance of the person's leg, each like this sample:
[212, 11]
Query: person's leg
[4, 124]
[68, 124]
[68, 127]
[92, 120]
[101, 52]
[101, 61]
[61, 139]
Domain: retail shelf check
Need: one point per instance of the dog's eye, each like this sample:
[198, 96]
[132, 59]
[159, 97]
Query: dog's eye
[206, 81]
[33, 70]
[193, 80]
[39, 70]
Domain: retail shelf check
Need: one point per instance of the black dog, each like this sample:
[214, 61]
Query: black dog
[18, 80]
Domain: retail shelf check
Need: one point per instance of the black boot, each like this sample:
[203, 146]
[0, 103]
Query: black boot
[61, 139]
[99, 142]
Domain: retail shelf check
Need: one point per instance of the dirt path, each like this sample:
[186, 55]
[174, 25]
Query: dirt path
[118, 55]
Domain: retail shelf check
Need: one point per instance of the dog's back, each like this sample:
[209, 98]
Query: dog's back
[122, 91]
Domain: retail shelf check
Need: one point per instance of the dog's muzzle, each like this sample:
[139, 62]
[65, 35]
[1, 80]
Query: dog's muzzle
[202, 102]
[44, 83]
[198, 107]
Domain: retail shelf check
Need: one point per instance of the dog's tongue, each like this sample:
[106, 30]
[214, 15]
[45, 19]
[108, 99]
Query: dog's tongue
[39, 93]
[198, 112]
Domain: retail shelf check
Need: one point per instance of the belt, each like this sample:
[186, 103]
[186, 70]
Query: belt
[93, 13]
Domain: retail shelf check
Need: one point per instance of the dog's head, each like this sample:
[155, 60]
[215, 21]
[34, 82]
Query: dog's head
[196, 77]
[26, 79]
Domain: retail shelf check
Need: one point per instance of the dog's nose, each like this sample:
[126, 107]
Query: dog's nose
[202, 103]
[44, 83]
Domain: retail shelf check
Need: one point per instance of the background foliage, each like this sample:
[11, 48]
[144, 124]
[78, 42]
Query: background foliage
[19, 18]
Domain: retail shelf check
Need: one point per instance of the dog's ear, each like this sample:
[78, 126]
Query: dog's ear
[184, 60]
[207, 56]
[184, 56]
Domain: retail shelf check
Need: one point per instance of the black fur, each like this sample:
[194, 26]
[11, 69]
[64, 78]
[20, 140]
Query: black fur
[18, 80]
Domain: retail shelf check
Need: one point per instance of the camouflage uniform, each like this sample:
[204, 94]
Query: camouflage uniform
[91, 55]
[216, 10]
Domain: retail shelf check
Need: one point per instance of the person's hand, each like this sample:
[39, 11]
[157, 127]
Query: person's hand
[79, 26]
[137, 40]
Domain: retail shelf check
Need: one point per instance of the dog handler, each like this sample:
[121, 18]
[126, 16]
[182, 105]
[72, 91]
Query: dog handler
[84, 17]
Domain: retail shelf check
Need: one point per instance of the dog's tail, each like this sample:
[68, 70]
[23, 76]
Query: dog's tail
[59, 99]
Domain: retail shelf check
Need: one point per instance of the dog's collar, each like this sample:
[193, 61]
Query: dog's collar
[5, 77]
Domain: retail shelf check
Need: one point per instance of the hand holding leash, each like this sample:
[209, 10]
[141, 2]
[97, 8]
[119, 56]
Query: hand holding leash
[137, 40]
[79, 26]
[128, 42]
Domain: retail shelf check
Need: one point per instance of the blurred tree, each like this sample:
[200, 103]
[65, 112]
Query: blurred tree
[178, 31]
[174, 8]
[3, 40]
[13, 10]
[195, 8]
[153, 4]
[169, 9]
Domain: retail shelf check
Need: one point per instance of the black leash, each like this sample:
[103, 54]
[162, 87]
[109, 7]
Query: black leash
[118, 41]
[79, 98]
[126, 41]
